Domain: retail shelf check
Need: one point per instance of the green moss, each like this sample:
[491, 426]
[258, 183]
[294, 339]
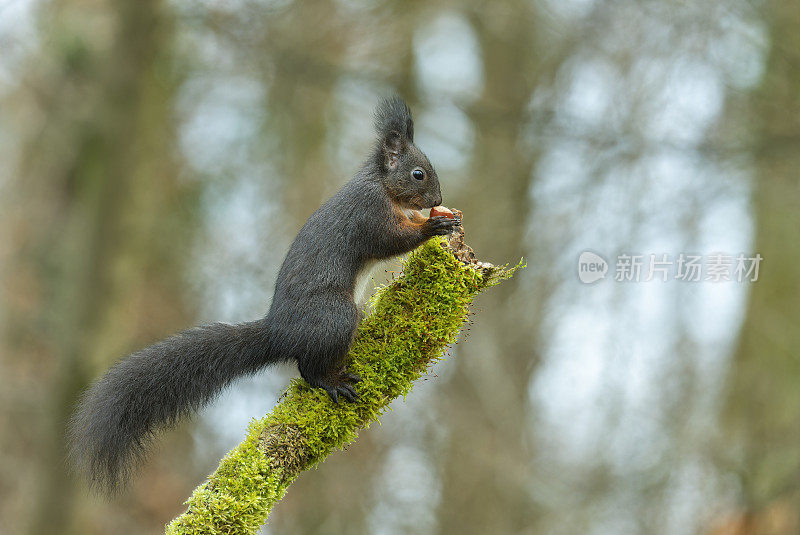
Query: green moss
[412, 322]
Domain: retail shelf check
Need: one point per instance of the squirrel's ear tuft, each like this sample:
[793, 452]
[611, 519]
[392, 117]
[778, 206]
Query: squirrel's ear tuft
[393, 116]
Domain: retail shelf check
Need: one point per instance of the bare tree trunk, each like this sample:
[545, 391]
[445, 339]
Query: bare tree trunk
[485, 474]
[764, 398]
[99, 176]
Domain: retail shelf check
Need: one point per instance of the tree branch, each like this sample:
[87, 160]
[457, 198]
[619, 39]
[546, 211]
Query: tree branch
[413, 320]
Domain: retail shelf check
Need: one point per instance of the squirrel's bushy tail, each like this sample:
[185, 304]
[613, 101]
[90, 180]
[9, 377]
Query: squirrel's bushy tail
[155, 387]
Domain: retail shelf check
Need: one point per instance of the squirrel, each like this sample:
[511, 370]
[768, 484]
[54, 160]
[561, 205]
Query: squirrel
[312, 318]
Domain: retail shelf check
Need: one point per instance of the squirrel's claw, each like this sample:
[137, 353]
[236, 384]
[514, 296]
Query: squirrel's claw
[342, 388]
[441, 225]
[345, 388]
[351, 377]
[348, 392]
[331, 390]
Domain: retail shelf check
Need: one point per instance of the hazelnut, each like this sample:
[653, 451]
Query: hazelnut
[442, 211]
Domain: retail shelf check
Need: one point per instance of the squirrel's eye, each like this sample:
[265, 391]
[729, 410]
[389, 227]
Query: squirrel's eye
[419, 174]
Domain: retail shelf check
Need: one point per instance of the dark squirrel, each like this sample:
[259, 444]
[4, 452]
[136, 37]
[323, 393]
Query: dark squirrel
[312, 319]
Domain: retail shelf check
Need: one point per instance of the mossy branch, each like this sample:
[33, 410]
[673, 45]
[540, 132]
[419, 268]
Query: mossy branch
[413, 320]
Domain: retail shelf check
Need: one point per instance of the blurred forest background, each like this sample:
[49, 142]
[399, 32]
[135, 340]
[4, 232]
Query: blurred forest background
[157, 157]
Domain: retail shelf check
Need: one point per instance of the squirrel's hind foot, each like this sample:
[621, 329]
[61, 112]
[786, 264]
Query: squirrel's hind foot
[343, 386]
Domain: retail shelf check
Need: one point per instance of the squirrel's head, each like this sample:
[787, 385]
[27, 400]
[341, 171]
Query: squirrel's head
[406, 172]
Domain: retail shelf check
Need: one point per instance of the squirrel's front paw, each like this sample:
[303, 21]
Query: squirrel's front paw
[441, 225]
